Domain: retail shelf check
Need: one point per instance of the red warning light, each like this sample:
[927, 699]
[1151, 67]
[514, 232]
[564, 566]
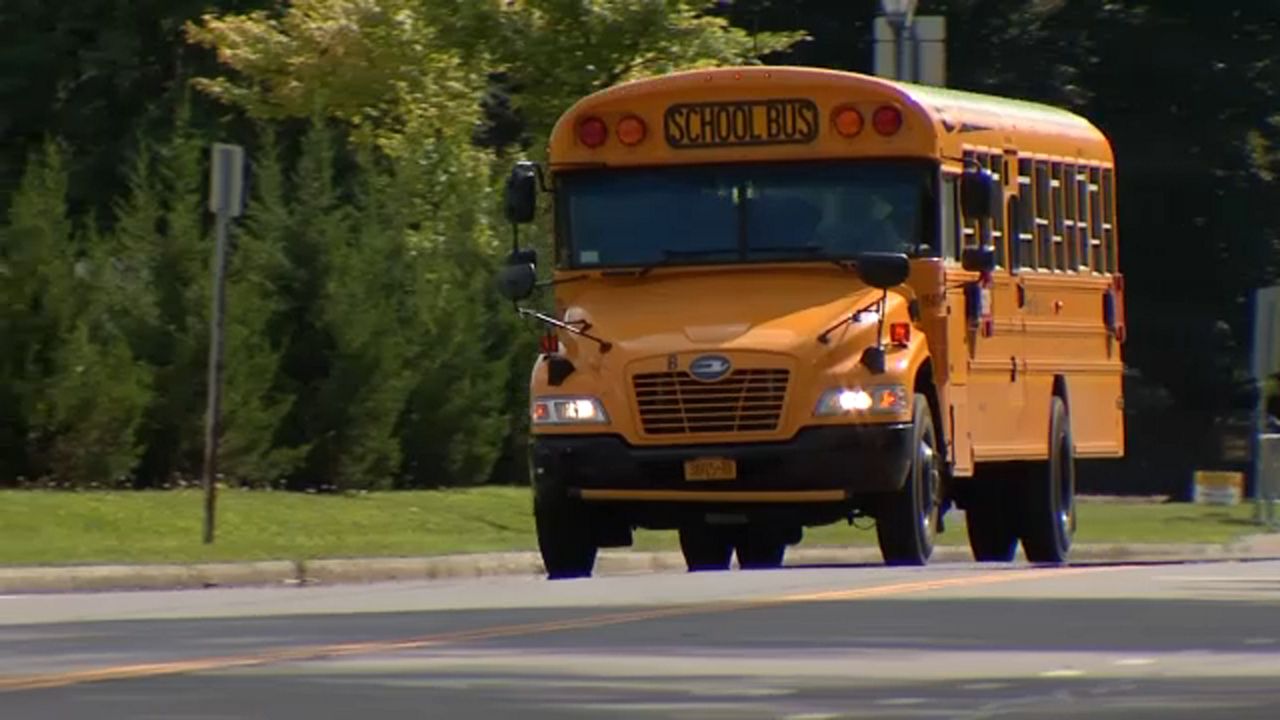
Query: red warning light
[887, 120]
[592, 132]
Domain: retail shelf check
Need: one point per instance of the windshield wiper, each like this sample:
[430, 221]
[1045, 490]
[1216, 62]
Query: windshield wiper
[668, 255]
[805, 250]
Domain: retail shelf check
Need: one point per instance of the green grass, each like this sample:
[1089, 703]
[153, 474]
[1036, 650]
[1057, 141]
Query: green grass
[46, 527]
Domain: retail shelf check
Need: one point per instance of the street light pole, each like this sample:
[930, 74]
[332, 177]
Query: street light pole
[899, 14]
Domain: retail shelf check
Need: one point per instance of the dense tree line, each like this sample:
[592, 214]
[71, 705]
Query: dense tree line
[366, 349]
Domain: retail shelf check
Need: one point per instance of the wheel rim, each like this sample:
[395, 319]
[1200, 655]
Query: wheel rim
[1066, 495]
[930, 480]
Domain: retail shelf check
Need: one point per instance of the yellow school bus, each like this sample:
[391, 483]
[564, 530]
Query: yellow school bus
[786, 297]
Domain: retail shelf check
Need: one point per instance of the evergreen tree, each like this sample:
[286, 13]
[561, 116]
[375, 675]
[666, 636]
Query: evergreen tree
[79, 393]
[256, 398]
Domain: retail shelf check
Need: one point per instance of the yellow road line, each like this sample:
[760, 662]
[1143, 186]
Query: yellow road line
[318, 652]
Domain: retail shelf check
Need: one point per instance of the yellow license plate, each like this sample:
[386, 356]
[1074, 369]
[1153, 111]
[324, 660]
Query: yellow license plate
[710, 469]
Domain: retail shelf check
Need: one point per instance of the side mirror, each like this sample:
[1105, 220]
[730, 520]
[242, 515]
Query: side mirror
[516, 282]
[883, 270]
[981, 195]
[978, 259]
[522, 192]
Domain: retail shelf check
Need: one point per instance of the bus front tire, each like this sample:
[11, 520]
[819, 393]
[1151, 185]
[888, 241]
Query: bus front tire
[564, 538]
[1049, 518]
[907, 521]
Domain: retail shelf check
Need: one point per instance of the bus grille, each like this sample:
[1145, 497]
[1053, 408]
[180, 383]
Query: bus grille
[747, 400]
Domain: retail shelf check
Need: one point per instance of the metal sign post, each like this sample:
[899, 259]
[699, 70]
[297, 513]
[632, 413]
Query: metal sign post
[226, 190]
[1266, 362]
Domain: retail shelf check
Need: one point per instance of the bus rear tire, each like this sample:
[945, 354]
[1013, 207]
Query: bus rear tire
[760, 553]
[990, 517]
[706, 548]
[1049, 518]
[907, 521]
[564, 538]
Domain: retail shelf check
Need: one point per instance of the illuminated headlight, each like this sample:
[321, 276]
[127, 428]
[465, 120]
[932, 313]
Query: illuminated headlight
[889, 399]
[568, 411]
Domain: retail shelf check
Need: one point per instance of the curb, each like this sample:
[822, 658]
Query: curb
[101, 578]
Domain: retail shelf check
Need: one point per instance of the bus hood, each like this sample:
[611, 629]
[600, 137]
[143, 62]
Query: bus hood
[749, 310]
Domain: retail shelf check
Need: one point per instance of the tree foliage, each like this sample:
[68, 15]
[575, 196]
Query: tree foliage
[365, 347]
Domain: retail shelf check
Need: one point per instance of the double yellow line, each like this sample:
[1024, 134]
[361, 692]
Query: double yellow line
[318, 652]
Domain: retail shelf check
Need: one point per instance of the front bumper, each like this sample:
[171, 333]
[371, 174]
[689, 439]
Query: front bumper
[820, 464]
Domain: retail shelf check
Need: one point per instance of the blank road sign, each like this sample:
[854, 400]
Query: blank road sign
[226, 179]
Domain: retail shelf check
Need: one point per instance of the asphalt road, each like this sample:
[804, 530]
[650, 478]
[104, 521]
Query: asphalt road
[1151, 641]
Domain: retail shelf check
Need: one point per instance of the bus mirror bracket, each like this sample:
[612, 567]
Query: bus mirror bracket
[981, 196]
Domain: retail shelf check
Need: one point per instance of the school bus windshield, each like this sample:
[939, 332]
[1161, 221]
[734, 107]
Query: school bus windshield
[744, 213]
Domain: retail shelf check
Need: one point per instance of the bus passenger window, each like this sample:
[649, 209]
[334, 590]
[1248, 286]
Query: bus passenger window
[1069, 227]
[971, 229]
[995, 232]
[1081, 180]
[1044, 238]
[1024, 218]
[1111, 251]
[1099, 263]
[1056, 192]
[950, 218]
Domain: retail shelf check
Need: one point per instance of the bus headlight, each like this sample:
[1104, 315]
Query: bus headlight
[568, 411]
[882, 399]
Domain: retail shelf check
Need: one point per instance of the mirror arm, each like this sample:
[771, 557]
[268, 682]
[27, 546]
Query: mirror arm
[605, 345]
[826, 334]
[884, 306]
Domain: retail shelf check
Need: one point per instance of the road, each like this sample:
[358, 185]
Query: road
[1198, 640]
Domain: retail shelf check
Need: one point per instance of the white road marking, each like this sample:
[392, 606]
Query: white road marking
[1061, 673]
[1136, 661]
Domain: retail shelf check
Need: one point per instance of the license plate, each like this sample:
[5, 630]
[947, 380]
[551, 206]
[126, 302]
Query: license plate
[710, 469]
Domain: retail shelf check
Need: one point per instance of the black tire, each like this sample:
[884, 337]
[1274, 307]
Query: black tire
[1048, 514]
[760, 553]
[706, 548]
[991, 516]
[907, 521]
[564, 538]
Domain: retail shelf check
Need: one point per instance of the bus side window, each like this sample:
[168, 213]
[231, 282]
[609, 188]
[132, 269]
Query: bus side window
[1024, 218]
[1069, 226]
[970, 228]
[1044, 238]
[1080, 178]
[1096, 252]
[1056, 200]
[950, 217]
[1111, 250]
[995, 227]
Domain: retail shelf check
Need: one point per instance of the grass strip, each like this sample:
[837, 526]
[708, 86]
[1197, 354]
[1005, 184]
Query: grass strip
[66, 528]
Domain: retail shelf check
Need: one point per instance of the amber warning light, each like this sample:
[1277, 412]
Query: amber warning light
[631, 130]
[848, 122]
[900, 333]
